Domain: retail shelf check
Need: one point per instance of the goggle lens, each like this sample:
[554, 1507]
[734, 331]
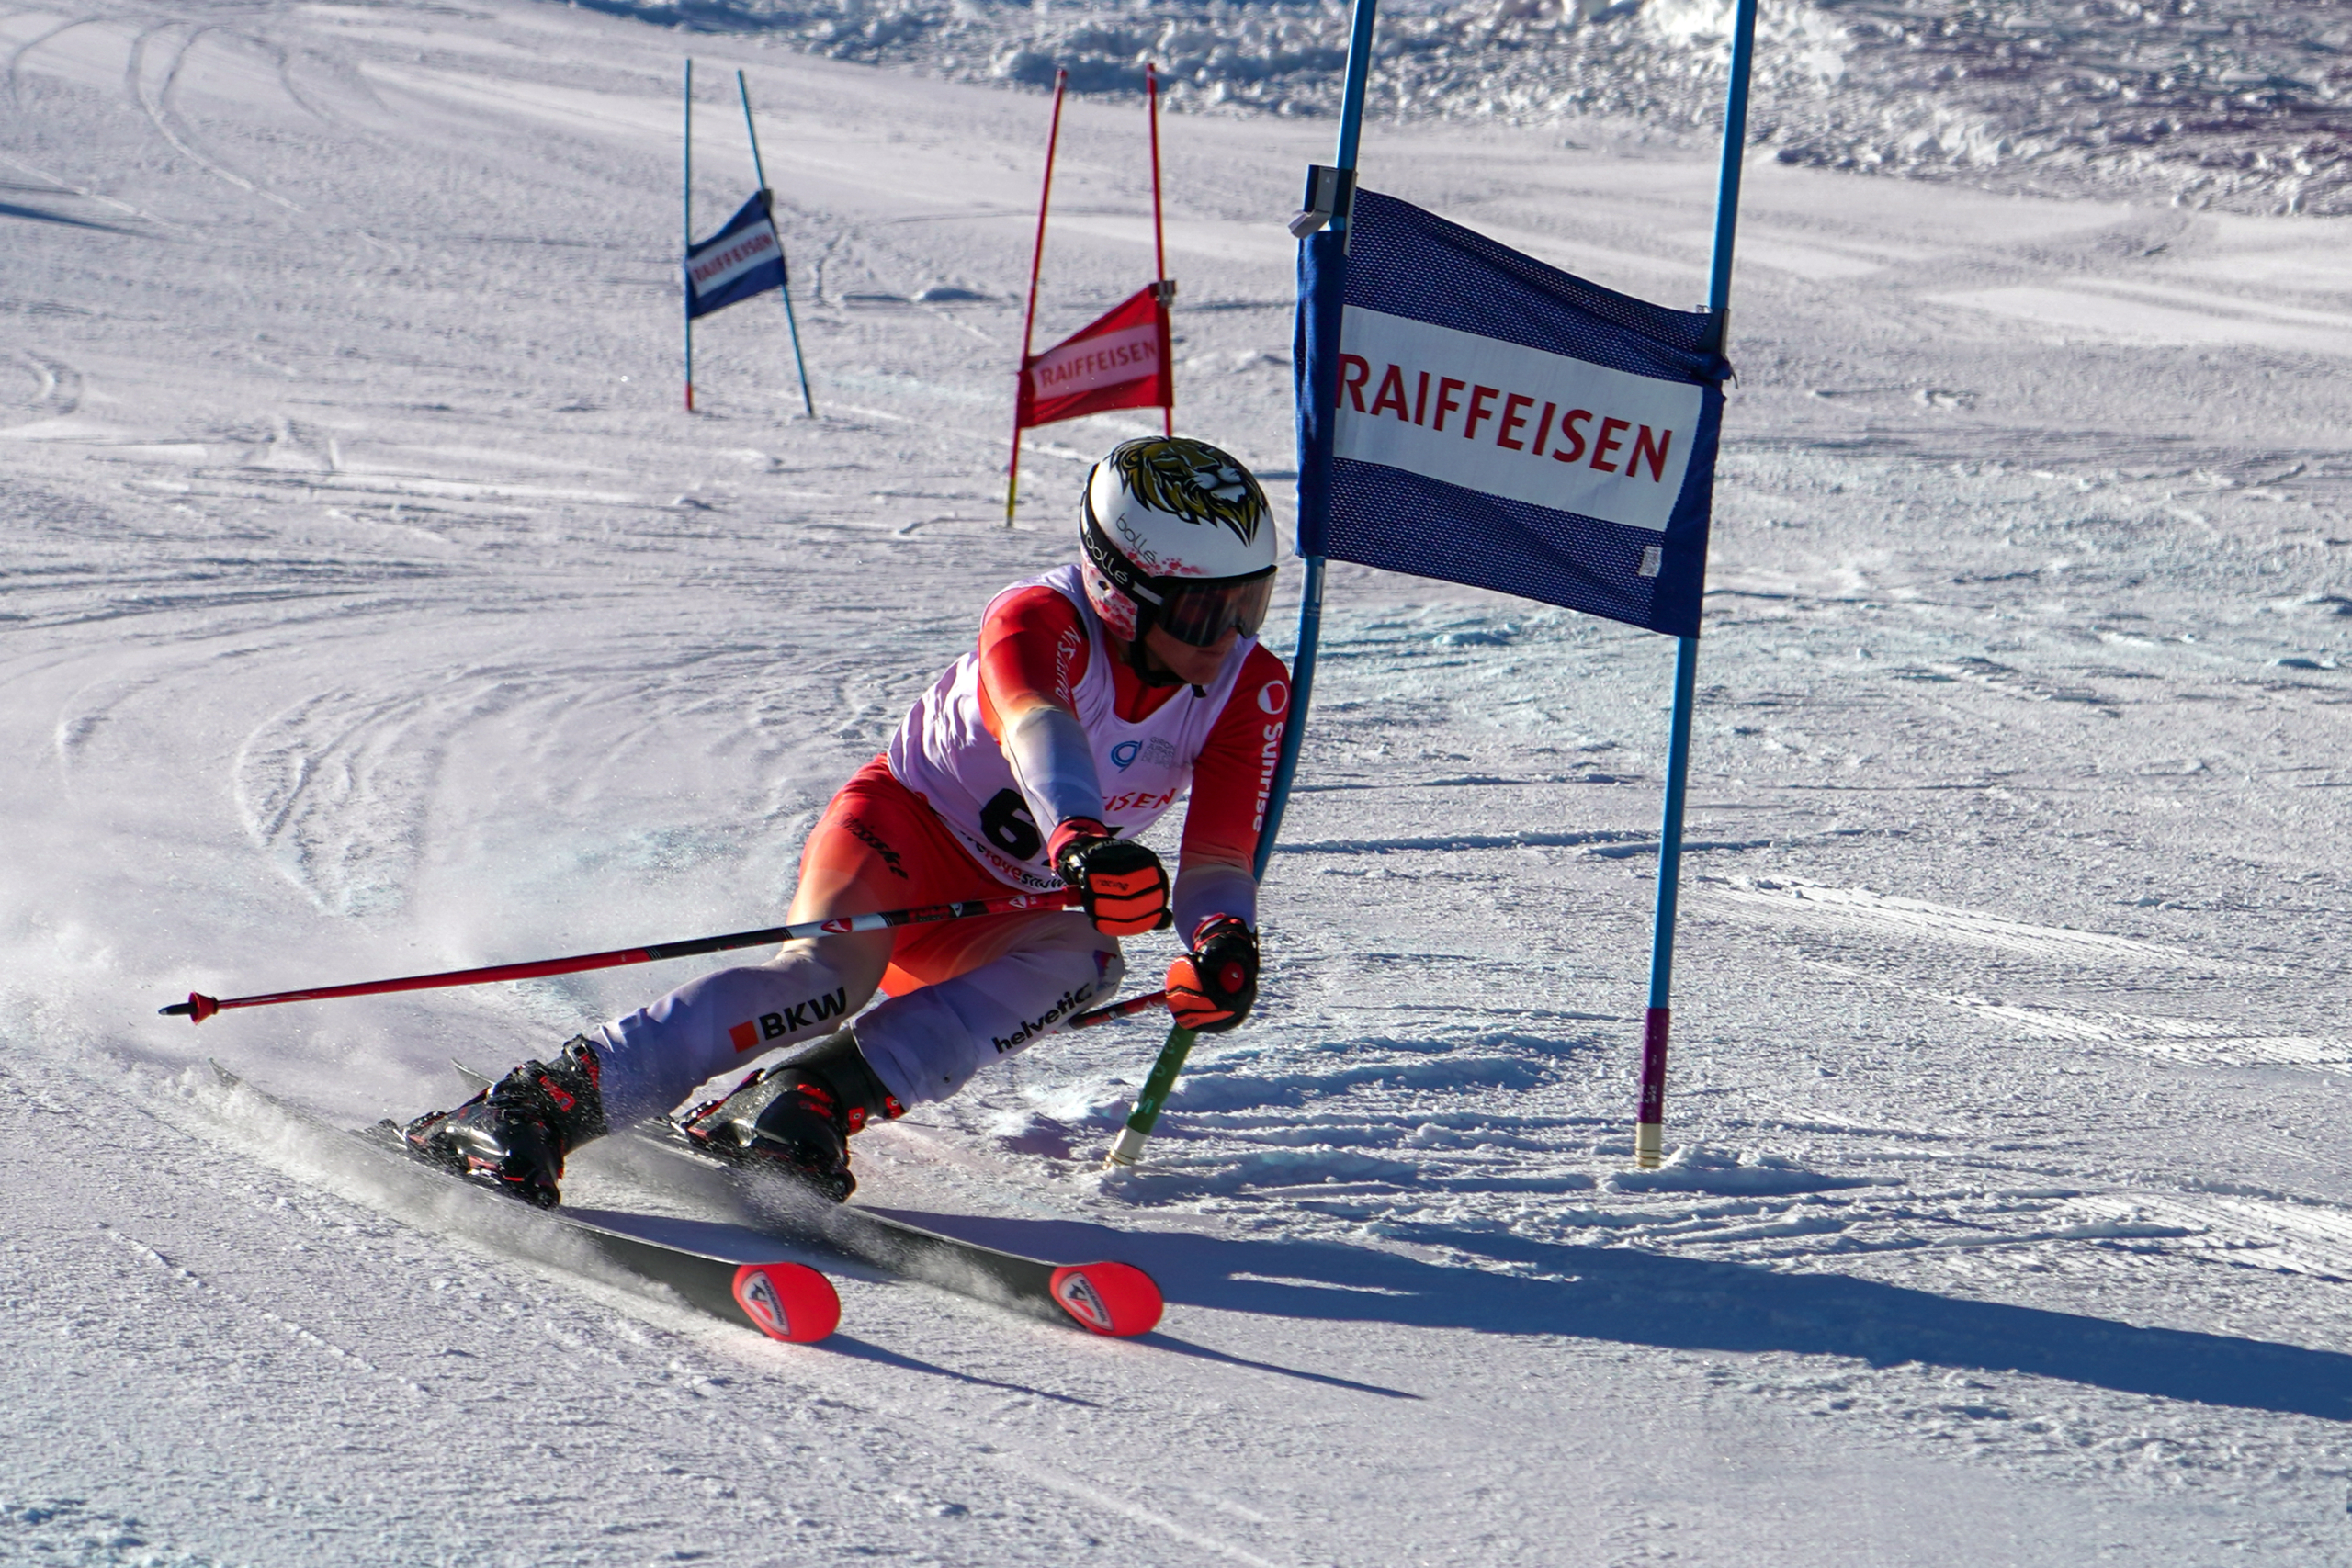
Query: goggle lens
[1200, 616]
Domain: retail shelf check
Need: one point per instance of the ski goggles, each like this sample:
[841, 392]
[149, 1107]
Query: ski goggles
[1199, 613]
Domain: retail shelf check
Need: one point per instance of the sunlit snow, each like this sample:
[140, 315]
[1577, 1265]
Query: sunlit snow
[369, 604]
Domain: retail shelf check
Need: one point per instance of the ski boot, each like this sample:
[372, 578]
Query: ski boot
[797, 1117]
[513, 1136]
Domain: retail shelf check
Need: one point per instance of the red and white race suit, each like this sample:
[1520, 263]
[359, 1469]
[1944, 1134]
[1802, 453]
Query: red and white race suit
[981, 770]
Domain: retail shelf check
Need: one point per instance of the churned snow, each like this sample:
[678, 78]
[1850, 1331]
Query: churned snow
[371, 606]
[2235, 103]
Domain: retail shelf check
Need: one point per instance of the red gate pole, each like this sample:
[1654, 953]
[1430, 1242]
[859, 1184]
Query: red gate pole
[1029, 322]
[1160, 239]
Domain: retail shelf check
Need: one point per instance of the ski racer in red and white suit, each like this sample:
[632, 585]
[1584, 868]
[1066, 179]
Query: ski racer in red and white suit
[1032, 764]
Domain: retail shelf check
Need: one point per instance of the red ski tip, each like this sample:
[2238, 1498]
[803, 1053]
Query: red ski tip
[788, 1301]
[196, 1009]
[1116, 1299]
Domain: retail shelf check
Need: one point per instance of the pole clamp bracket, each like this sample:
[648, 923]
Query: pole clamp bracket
[1330, 193]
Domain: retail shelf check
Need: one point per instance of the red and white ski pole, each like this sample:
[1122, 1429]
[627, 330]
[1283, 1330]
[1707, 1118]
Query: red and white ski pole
[199, 1006]
[1119, 1010]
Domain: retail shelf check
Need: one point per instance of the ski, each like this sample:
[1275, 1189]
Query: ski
[1117, 1299]
[781, 1299]
[1114, 1299]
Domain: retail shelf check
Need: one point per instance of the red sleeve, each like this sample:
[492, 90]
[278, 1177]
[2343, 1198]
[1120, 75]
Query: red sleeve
[1234, 774]
[1033, 653]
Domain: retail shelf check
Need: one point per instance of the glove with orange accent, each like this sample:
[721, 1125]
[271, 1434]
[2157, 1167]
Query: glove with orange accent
[1211, 987]
[1122, 884]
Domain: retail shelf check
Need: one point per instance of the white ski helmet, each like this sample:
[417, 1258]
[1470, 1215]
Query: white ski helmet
[1177, 536]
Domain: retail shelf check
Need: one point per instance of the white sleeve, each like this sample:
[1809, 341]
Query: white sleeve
[1054, 766]
[1213, 888]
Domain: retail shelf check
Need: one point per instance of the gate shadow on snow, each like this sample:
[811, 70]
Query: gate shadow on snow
[41, 215]
[1641, 1298]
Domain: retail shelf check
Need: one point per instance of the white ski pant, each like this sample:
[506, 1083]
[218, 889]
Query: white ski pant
[923, 1045]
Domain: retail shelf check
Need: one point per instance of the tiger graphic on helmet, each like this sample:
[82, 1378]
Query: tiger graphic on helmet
[1173, 531]
[1194, 481]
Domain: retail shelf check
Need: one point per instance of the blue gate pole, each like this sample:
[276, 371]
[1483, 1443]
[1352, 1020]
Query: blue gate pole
[687, 265]
[759, 172]
[1317, 379]
[1320, 380]
[1649, 1129]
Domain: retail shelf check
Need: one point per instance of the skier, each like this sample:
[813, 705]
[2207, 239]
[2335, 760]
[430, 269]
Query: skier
[1096, 693]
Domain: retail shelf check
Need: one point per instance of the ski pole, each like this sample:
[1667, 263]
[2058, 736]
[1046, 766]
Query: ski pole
[1129, 1147]
[1132, 1139]
[199, 1006]
[1119, 1010]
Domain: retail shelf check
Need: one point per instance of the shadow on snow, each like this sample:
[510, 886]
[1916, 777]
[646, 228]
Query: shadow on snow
[1641, 1298]
[38, 215]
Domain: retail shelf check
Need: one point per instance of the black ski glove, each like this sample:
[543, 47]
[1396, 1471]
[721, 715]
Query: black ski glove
[1122, 884]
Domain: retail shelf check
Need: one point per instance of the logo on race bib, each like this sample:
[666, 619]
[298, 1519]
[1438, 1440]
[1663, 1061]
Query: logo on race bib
[1273, 697]
[1158, 751]
[1140, 800]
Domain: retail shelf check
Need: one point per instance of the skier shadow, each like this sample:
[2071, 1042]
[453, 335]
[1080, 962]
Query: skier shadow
[1640, 1298]
[865, 1350]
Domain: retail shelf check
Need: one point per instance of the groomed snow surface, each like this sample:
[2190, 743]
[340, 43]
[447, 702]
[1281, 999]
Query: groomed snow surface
[370, 607]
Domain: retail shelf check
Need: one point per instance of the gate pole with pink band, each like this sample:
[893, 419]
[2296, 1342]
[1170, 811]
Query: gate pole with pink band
[1649, 1122]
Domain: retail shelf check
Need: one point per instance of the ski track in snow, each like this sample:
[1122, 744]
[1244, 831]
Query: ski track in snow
[367, 607]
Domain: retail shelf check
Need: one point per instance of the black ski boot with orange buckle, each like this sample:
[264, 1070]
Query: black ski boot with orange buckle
[797, 1117]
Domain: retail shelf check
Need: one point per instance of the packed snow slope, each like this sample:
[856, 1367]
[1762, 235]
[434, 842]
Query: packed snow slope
[371, 606]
